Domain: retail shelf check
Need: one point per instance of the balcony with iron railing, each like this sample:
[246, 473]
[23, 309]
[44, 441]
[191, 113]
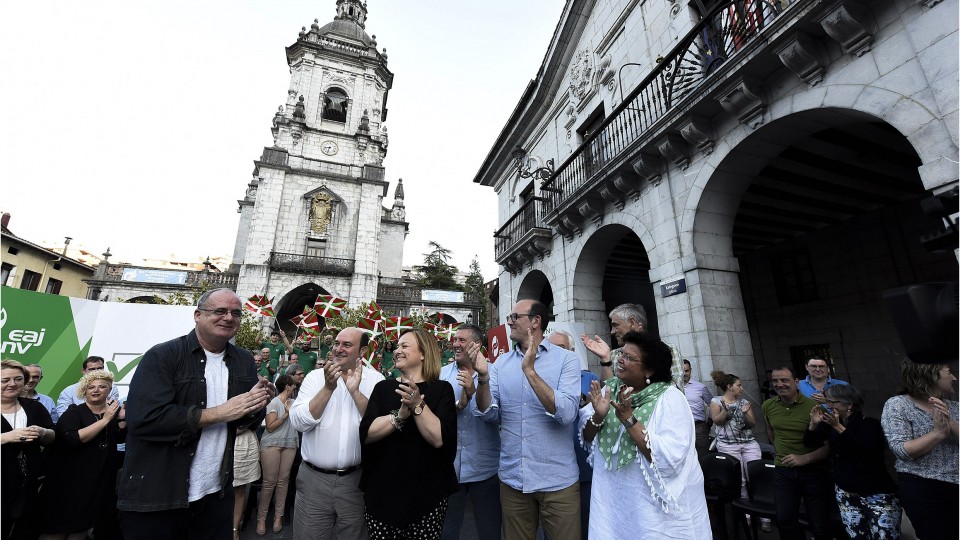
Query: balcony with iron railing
[719, 67]
[523, 235]
[298, 262]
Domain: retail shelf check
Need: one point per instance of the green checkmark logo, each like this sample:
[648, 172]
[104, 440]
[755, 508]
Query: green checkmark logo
[119, 374]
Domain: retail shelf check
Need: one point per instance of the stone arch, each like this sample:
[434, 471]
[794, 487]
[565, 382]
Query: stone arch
[612, 268]
[143, 299]
[291, 304]
[536, 286]
[814, 215]
[709, 212]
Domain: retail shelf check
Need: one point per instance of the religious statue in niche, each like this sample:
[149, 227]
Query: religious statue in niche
[321, 209]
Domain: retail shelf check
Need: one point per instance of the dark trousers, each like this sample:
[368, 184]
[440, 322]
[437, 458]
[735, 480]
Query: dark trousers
[210, 518]
[931, 505]
[485, 497]
[814, 486]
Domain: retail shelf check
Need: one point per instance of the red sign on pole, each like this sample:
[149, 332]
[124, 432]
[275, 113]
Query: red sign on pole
[498, 342]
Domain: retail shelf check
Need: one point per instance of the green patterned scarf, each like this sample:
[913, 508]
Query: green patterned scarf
[612, 434]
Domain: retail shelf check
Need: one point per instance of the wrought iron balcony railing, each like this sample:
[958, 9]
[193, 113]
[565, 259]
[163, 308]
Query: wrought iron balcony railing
[527, 218]
[728, 28]
[297, 262]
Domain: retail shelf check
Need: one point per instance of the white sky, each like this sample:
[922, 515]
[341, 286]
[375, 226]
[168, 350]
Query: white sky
[134, 125]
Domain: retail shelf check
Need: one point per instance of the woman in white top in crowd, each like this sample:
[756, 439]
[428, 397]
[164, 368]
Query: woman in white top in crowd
[647, 481]
[278, 448]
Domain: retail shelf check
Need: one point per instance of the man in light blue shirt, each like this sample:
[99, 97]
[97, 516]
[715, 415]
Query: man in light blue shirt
[818, 379]
[533, 393]
[478, 445]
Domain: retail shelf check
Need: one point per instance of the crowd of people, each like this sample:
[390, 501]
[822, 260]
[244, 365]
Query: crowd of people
[541, 447]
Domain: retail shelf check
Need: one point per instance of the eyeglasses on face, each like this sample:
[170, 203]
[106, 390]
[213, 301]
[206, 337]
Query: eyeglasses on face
[222, 312]
[514, 316]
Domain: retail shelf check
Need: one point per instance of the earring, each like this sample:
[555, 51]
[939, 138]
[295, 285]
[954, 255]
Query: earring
[648, 380]
[421, 359]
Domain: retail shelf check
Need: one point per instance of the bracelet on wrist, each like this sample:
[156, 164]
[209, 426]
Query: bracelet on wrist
[595, 424]
[482, 381]
[606, 364]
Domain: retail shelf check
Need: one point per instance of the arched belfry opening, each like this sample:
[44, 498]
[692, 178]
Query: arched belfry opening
[828, 216]
[613, 269]
[293, 302]
[536, 286]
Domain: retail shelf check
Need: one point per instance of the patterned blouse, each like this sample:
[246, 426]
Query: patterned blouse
[735, 429]
[903, 421]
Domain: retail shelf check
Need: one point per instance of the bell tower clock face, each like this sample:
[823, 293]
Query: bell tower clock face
[329, 148]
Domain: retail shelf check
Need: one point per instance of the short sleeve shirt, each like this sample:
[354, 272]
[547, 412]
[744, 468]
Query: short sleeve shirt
[788, 424]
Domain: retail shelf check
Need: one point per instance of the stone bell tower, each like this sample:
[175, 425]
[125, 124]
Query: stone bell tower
[313, 213]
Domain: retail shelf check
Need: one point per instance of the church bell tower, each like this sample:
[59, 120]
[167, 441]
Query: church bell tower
[313, 213]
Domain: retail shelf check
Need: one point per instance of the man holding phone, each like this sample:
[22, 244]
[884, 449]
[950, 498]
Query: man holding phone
[187, 399]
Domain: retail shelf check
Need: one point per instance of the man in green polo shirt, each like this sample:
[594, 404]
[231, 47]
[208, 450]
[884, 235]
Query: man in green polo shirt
[326, 346]
[305, 357]
[277, 349]
[801, 472]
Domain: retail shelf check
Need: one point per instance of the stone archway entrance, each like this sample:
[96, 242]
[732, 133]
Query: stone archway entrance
[821, 211]
[536, 286]
[613, 269]
[293, 302]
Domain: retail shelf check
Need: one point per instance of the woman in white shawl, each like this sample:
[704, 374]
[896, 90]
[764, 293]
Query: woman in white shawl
[647, 481]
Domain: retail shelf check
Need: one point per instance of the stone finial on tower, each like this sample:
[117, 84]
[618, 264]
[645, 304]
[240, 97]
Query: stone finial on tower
[398, 212]
[398, 193]
[299, 113]
[352, 10]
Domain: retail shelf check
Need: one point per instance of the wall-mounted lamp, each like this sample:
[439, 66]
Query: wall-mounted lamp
[526, 172]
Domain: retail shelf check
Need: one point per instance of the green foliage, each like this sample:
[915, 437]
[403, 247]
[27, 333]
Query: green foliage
[248, 336]
[436, 272]
[474, 285]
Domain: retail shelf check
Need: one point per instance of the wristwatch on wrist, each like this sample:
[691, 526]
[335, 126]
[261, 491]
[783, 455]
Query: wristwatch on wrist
[482, 381]
[629, 423]
[606, 364]
[419, 408]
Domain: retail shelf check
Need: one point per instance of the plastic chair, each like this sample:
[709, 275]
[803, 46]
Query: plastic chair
[721, 485]
[760, 502]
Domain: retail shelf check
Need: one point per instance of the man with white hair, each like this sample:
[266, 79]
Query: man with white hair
[624, 318]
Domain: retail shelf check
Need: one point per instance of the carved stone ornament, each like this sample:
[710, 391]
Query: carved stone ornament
[648, 167]
[581, 75]
[848, 24]
[803, 55]
[674, 148]
[321, 208]
[745, 100]
[698, 132]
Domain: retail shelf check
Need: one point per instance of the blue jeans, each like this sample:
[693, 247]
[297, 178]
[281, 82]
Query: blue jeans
[485, 496]
[814, 485]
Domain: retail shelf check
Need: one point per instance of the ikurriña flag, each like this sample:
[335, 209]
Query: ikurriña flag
[327, 305]
[260, 305]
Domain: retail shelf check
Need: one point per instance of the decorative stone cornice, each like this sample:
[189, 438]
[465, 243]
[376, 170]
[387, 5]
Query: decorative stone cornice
[673, 147]
[649, 167]
[745, 99]
[612, 194]
[848, 23]
[803, 54]
[698, 131]
[628, 182]
[591, 207]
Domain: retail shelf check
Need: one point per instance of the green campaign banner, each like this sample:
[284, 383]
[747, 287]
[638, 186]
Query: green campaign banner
[59, 332]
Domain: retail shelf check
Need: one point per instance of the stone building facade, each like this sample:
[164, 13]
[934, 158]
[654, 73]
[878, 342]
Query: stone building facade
[312, 219]
[750, 172]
